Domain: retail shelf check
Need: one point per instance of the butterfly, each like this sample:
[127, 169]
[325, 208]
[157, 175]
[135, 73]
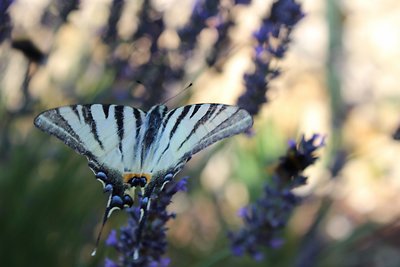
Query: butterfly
[128, 148]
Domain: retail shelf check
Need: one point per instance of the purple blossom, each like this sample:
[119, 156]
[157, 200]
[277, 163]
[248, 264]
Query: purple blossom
[265, 219]
[272, 38]
[149, 239]
[112, 239]
[286, 12]
[202, 11]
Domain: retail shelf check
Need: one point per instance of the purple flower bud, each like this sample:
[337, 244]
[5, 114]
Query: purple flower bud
[265, 219]
[112, 240]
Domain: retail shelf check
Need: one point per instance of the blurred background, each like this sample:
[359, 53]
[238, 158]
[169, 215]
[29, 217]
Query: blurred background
[339, 78]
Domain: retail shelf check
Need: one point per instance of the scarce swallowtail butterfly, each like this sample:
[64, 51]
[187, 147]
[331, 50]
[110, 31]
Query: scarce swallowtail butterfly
[128, 148]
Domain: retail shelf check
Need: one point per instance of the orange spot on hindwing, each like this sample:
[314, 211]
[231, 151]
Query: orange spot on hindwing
[128, 176]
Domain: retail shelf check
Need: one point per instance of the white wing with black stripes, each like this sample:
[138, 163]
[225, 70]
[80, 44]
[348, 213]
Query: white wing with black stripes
[106, 134]
[187, 130]
[131, 143]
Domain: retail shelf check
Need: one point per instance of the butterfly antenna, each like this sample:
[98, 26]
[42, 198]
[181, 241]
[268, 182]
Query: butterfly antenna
[106, 216]
[186, 88]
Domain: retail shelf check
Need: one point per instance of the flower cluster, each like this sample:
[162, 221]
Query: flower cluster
[265, 219]
[272, 39]
[151, 245]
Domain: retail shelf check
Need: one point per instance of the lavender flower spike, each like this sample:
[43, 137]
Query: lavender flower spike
[152, 243]
[265, 219]
[272, 40]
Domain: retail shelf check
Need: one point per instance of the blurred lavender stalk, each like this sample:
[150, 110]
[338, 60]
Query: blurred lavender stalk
[208, 14]
[273, 38]
[396, 134]
[265, 219]
[202, 11]
[5, 24]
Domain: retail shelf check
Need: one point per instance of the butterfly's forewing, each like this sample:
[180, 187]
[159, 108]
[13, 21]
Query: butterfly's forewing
[105, 134]
[189, 129]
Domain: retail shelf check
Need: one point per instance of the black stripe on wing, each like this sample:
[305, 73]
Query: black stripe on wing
[196, 108]
[106, 109]
[139, 121]
[75, 110]
[184, 113]
[236, 122]
[189, 129]
[88, 118]
[220, 110]
[95, 131]
[52, 122]
[119, 118]
[203, 120]
[221, 125]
